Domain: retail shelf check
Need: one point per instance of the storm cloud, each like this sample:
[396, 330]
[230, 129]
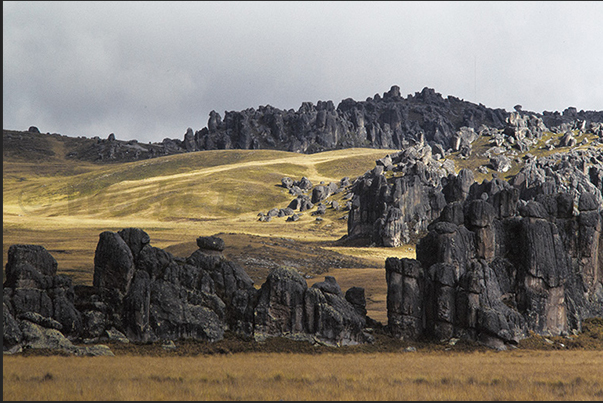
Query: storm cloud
[150, 70]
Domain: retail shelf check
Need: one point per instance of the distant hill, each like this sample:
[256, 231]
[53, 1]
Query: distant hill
[388, 121]
[498, 208]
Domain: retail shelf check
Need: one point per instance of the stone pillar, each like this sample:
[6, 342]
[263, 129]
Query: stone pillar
[440, 305]
[405, 297]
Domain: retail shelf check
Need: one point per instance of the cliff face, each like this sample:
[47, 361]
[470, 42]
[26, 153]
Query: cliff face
[506, 258]
[144, 294]
[388, 121]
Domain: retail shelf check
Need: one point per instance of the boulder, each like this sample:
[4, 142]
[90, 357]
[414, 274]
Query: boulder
[183, 315]
[568, 140]
[301, 203]
[356, 297]
[320, 193]
[500, 163]
[405, 299]
[34, 255]
[321, 208]
[31, 293]
[280, 307]
[304, 184]
[211, 243]
[588, 202]
[287, 182]
[331, 318]
[113, 262]
[135, 238]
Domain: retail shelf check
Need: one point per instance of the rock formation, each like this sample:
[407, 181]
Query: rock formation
[506, 258]
[382, 121]
[141, 293]
[38, 304]
[393, 203]
[388, 121]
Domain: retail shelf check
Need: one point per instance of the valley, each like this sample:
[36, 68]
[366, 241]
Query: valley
[64, 204]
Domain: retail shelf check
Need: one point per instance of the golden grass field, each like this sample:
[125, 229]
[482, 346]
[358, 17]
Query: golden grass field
[509, 375]
[64, 205]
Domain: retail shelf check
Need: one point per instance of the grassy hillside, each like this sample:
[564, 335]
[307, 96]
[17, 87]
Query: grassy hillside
[205, 184]
[540, 149]
[64, 204]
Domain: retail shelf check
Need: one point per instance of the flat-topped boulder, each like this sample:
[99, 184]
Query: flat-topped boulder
[211, 243]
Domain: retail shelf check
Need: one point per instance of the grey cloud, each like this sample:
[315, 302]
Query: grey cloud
[149, 70]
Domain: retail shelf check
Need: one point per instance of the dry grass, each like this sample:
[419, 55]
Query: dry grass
[513, 375]
[174, 198]
[64, 205]
[540, 149]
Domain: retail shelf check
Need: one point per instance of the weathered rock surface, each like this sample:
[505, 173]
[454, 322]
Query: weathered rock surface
[387, 121]
[393, 210]
[382, 121]
[506, 258]
[38, 304]
[321, 313]
[141, 293]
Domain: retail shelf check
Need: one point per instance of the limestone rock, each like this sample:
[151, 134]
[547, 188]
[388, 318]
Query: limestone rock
[280, 308]
[113, 262]
[135, 238]
[500, 163]
[506, 259]
[211, 243]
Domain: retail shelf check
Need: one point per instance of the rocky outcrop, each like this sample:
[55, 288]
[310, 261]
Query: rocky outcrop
[141, 293]
[394, 203]
[38, 304]
[383, 121]
[164, 298]
[321, 313]
[388, 121]
[506, 259]
[405, 297]
[572, 119]
[575, 172]
[306, 197]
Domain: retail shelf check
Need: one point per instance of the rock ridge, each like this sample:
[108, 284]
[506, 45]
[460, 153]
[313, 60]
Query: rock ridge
[143, 294]
[388, 121]
[506, 258]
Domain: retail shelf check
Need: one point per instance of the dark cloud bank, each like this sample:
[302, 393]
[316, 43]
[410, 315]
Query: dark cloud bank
[149, 70]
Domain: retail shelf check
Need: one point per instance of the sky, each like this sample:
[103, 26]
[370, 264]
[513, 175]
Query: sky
[150, 70]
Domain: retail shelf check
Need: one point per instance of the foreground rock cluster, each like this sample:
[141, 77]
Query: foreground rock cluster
[141, 293]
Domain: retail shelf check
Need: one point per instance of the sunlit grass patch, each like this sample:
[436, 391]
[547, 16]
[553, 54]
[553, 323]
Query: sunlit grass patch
[511, 375]
[355, 163]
